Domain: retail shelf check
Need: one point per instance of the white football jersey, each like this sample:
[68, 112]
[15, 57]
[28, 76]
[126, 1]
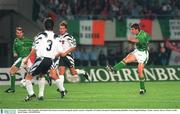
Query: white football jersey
[67, 41]
[46, 44]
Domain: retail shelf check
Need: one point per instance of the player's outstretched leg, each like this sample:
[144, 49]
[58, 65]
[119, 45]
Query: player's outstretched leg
[9, 90]
[41, 83]
[48, 79]
[40, 98]
[12, 72]
[29, 87]
[86, 75]
[83, 72]
[142, 86]
[141, 78]
[29, 97]
[60, 84]
[110, 69]
[142, 91]
[117, 67]
[12, 88]
[63, 93]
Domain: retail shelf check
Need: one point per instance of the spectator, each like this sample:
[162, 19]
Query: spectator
[84, 57]
[52, 15]
[111, 57]
[77, 57]
[118, 55]
[166, 8]
[93, 56]
[163, 56]
[102, 58]
[113, 8]
[105, 12]
[170, 46]
[153, 58]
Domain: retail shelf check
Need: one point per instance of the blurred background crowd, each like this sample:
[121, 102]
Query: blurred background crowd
[108, 9]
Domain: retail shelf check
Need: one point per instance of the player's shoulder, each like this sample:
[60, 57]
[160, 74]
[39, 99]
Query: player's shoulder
[141, 33]
[144, 32]
[27, 38]
[56, 36]
[16, 39]
[42, 34]
[68, 36]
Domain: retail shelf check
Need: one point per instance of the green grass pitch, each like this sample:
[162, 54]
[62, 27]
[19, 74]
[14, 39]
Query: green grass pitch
[109, 95]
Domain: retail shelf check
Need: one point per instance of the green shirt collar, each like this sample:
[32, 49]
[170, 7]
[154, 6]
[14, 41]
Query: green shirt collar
[139, 33]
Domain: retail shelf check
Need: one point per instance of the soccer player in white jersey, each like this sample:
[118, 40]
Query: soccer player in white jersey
[69, 45]
[46, 47]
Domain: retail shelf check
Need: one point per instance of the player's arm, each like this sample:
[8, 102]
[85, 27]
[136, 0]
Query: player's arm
[61, 54]
[15, 55]
[171, 46]
[68, 51]
[72, 44]
[33, 52]
[29, 43]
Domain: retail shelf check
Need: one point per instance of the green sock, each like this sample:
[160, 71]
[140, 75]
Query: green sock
[47, 77]
[13, 79]
[120, 65]
[142, 86]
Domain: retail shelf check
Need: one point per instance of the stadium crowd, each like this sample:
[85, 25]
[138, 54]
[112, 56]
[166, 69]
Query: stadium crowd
[106, 9]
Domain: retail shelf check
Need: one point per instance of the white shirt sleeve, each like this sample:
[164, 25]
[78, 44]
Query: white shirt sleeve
[71, 41]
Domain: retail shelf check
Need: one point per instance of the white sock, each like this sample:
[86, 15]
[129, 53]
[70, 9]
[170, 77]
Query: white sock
[61, 77]
[29, 87]
[41, 83]
[79, 71]
[60, 83]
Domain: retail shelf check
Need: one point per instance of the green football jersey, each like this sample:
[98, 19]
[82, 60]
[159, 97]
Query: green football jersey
[22, 46]
[143, 38]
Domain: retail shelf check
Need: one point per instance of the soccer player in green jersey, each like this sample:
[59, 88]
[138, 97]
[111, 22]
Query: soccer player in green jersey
[21, 48]
[140, 54]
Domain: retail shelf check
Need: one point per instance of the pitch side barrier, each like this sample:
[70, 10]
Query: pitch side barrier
[151, 73]
[100, 74]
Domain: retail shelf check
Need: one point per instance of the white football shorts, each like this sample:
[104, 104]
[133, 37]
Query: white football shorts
[141, 56]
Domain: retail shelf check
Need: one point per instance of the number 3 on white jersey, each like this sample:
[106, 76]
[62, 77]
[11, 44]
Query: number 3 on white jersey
[49, 45]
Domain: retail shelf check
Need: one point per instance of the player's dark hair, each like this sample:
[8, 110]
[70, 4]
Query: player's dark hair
[19, 28]
[135, 26]
[48, 24]
[63, 23]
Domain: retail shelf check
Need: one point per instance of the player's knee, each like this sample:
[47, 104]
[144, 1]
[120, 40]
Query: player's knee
[53, 74]
[28, 77]
[12, 72]
[140, 70]
[61, 71]
[126, 59]
[73, 71]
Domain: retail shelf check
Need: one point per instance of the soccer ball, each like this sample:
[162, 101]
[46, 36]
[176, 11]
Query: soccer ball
[71, 78]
